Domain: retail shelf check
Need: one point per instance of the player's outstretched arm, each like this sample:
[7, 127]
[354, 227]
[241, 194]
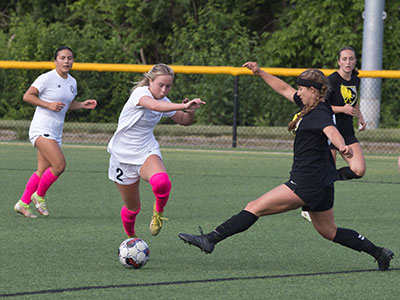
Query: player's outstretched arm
[186, 117]
[87, 104]
[277, 84]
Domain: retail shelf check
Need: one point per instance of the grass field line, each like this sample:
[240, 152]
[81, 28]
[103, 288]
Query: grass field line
[182, 282]
[222, 151]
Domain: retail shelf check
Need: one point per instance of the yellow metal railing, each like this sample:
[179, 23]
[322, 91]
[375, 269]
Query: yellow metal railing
[235, 71]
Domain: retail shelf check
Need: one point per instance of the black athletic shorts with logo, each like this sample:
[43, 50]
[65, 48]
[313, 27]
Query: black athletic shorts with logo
[316, 198]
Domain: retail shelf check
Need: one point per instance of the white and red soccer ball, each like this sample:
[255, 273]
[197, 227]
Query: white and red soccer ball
[133, 253]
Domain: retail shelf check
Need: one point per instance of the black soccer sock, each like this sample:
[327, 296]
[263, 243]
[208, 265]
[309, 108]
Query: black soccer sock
[354, 240]
[346, 173]
[238, 223]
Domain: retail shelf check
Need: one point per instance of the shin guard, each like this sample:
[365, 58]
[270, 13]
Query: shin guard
[31, 187]
[161, 188]
[128, 218]
[46, 181]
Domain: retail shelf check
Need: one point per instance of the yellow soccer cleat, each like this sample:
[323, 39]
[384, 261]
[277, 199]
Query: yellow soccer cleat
[156, 222]
[40, 204]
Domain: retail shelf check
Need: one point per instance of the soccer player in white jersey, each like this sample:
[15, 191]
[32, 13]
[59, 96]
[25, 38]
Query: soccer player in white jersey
[52, 93]
[135, 153]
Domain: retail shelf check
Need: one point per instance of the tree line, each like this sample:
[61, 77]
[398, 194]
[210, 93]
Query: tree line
[279, 33]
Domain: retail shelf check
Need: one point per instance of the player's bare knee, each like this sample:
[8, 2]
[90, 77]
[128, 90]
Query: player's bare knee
[59, 168]
[360, 172]
[327, 233]
[253, 208]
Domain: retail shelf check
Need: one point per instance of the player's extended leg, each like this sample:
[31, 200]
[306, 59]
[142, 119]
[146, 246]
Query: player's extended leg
[154, 172]
[131, 198]
[51, 164]
[324, 223]
[357, 167]
[278, 200]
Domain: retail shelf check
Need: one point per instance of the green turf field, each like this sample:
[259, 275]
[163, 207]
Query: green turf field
[72, 254]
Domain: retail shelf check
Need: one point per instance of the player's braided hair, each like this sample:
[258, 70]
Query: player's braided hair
[320, 80]
[156, 70]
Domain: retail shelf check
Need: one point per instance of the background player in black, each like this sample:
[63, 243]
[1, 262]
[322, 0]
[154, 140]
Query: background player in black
[311, 179]
[344, 85]
[343, 97]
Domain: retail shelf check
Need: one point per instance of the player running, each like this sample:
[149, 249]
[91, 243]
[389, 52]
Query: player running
[135, 153]
[52, 93]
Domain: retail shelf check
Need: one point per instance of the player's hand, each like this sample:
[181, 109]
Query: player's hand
[346, 151]
[252, 66]
[349, 110]
[89, 104]
[192, 105]
[361, 125]
[56, 106]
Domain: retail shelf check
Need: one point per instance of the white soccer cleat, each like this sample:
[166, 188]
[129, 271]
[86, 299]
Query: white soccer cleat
[40, 204]
[23, 209]
[305, 215]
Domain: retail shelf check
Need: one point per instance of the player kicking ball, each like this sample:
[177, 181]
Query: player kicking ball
[311, 182]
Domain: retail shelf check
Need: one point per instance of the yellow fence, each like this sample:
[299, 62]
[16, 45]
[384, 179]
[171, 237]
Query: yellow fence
[272, 138]
[235, 71]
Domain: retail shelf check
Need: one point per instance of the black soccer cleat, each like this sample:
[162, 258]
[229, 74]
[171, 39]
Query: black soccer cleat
[384, 259]
[199, 241]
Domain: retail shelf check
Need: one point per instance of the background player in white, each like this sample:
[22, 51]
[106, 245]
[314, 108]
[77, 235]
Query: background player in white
[135, 153]
[52, 93]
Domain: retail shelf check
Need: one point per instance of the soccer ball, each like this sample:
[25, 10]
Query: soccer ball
[133, 253]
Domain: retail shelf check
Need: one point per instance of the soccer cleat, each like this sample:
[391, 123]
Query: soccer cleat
[384, 259]
[23, 209]
[132, 236]
[156, 222]
[306, 216]
[40, 204]
[199, 241]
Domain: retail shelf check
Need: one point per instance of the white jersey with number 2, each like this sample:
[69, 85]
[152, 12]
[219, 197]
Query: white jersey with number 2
[134, 138]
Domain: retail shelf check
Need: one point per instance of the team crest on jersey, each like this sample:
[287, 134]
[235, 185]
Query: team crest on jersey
[297, 123]
[71, 87]
[349, 94]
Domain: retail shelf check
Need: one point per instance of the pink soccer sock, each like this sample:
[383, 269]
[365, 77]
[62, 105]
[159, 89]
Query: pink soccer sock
[45, 182]
[128, 218]
[161, 189]
[31, 187]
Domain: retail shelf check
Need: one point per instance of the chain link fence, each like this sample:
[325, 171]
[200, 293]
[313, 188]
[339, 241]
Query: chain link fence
[383, 138]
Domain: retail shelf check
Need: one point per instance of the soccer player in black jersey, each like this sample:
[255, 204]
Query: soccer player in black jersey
[312, 176]
[344, 85]
[343, 97]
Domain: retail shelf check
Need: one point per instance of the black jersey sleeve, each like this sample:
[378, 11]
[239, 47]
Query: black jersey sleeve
[321, 117]
[297, 100]
[333, 97]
